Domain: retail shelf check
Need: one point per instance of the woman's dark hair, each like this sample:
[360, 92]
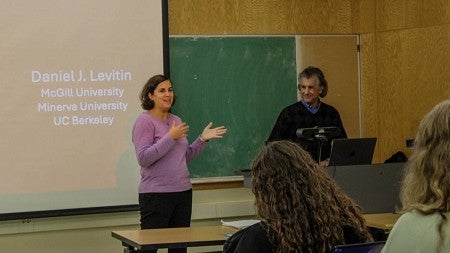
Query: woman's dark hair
[299, 204]
[313, 71]
[149, 87]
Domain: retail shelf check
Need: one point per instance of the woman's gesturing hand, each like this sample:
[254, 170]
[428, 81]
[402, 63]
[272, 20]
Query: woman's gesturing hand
[212, 133]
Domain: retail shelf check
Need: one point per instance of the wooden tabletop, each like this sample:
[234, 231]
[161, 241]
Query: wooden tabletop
[383, 221]
[148, 239]
[174, 237]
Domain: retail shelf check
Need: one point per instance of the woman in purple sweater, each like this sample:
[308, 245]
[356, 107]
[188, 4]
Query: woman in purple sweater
[163, 151]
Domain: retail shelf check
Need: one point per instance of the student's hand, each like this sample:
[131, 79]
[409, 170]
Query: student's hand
[212, 133]
[178, 131]
[324, 163]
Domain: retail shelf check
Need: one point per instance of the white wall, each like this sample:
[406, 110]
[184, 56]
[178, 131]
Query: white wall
[92, 233]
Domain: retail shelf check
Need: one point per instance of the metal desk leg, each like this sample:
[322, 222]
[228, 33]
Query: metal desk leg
[128, 248]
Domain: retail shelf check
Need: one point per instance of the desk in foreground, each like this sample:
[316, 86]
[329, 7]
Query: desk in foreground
[380, 224]
[383, 221]
[148, 239]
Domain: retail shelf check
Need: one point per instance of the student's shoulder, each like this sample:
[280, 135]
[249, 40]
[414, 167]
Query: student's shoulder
[411, 221]
[250, 231]
[250, 239]
[255, 228]
[415, 217]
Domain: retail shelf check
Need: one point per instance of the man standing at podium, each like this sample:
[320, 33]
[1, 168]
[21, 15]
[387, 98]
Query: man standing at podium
[309, 112]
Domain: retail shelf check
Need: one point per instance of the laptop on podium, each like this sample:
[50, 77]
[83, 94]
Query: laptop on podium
[352, 151]
[372, 247]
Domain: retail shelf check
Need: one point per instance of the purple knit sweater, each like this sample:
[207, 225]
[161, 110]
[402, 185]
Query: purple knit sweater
[163, 160]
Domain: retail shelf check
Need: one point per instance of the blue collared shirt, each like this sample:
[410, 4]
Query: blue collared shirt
[310, 108]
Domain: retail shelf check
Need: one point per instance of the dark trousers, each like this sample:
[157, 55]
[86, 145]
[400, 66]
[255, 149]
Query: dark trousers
[166, 210]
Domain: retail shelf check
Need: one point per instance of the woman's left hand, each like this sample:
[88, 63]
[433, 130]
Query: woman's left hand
[212, 133]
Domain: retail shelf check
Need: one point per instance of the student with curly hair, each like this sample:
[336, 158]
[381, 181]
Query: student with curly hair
[425, 192]
[300, 207]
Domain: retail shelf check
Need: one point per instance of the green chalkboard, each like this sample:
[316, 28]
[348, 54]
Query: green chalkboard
[239, 82]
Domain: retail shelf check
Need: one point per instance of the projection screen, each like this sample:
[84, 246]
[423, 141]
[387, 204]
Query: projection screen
[71, 73]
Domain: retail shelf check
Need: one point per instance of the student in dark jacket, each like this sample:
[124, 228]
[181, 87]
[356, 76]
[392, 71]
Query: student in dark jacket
[300, 207]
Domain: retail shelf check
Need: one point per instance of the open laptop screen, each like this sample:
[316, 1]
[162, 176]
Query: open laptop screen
[352, 151]
[373, 247]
